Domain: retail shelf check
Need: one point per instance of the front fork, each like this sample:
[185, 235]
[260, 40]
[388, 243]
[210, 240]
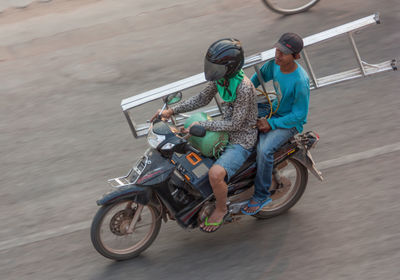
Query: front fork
[136, 216]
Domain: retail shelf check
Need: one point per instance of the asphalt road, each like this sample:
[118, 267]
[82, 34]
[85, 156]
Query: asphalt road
[66, 65]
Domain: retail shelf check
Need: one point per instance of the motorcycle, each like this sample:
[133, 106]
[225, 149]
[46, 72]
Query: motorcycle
[170, 182]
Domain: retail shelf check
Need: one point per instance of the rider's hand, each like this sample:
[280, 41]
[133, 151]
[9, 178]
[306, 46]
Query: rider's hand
[186, 130]
[263, 125]
[166, 114]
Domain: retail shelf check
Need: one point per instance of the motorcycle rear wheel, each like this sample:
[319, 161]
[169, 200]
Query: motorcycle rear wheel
[286, 197]
[280, 7]
[109, 230]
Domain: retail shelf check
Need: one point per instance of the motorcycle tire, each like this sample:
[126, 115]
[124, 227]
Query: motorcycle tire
[126, 253]
[301, 182]
[272, 5]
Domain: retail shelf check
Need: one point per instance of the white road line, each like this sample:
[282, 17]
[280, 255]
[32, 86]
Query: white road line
[359, 156]
[40, 236]
[20, 241]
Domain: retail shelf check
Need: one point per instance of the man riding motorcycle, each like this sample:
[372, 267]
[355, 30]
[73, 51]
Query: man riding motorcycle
[292, 86]
[174, 180]
[223, 69]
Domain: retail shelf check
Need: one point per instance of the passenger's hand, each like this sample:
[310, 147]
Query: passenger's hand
[166, 114]
[186, 130]
[263, 125]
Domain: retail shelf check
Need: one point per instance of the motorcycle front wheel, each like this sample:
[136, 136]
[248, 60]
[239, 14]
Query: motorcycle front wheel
[294, 178]
[289, 7]
[124, 229]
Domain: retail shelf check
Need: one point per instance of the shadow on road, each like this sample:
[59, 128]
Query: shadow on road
[229, 253]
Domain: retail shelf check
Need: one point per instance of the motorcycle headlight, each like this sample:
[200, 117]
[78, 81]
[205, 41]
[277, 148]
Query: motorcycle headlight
[168, 146]
[154, 139]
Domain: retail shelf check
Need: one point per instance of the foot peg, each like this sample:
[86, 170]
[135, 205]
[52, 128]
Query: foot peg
[232, 219]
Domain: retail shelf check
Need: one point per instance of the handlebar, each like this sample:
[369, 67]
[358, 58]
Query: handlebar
[179, 141]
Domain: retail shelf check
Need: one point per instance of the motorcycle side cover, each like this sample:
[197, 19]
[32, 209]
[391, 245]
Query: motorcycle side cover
[157, 171]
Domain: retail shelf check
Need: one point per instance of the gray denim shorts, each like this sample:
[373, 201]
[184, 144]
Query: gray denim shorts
[233, 158]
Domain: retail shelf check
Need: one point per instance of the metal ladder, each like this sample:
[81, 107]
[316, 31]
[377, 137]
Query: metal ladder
[364, 69]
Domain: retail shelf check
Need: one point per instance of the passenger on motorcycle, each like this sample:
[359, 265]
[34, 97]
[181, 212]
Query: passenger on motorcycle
[223, 69]
[292, 87]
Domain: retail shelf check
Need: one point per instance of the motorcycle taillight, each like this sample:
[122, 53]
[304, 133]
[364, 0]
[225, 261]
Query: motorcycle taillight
[311, 139]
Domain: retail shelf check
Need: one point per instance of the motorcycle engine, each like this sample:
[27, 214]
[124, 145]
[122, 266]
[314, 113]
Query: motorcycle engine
[180, 190]
[206, 211]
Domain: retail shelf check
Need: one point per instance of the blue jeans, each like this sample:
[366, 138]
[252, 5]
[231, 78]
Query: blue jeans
[268, 144]
[233, 158]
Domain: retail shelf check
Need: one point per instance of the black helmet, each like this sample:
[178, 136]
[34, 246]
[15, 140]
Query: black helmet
[224, 59]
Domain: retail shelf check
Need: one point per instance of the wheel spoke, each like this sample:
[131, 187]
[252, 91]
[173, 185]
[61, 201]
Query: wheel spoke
[283, 194]
[114, 230]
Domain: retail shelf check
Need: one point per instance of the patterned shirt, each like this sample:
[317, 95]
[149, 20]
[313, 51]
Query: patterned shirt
[239, 117]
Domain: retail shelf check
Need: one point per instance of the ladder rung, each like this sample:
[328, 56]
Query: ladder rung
[355, 73]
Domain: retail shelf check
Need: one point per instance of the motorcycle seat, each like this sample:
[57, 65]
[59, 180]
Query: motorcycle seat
[252, 160]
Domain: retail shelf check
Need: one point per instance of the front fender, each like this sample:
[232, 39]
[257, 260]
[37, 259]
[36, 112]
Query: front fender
[138, 194]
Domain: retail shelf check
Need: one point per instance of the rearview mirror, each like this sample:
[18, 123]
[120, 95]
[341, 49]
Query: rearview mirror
[197, 130]
[173, 98]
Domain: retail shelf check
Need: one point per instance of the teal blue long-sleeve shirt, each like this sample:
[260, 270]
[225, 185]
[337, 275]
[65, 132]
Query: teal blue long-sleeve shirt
[293, 90]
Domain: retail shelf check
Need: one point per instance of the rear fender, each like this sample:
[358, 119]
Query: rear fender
[305, 158]
[138, 194]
